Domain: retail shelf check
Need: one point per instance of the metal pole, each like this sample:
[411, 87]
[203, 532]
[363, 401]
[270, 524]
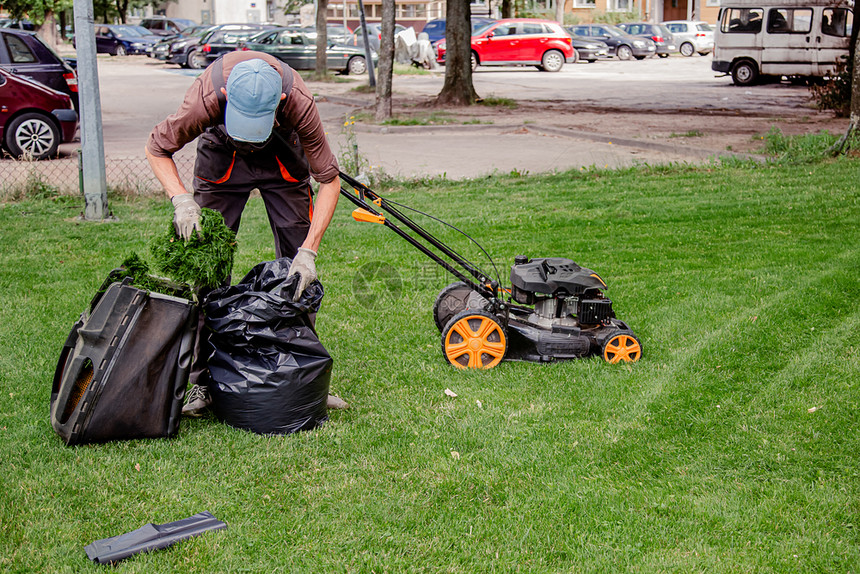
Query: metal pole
[90, 109]
[367, 50]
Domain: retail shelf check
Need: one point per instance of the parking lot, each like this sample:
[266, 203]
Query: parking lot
[673, 109]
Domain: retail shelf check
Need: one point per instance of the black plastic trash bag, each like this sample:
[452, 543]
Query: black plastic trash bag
[270, 373]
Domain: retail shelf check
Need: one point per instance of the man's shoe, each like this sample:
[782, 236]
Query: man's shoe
[336, 403]
[196, 401]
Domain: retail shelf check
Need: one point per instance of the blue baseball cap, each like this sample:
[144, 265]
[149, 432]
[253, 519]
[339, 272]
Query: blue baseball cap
[253, 94]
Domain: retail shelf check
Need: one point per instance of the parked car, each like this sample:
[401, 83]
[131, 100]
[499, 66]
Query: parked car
[162, 26]
[35, 118]
[435, 29]
[657, 33]
[220, 40]
[25, 54]
[123, 39]
[692, 37]
[621, 44]
[519, 42]
[588, 49]
[19, 24]
[374, 35]
[175, 49]
[335, 34]
[299, 51]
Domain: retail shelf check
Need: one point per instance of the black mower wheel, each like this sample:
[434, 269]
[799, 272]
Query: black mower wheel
[623, 347]
[474, 340]
[452, 300]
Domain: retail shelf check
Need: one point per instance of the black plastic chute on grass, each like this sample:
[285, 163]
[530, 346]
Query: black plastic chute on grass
[270, 373]
[151, 537]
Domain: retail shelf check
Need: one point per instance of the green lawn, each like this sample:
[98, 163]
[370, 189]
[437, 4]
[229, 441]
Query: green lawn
[732, 446]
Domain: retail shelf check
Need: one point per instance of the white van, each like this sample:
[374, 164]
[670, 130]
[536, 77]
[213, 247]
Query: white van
[794, 38]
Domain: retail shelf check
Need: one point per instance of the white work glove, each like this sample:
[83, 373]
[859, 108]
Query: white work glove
[304, 264]
[186, 215]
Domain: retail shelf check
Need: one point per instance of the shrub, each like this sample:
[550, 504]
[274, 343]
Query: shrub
[834, 93]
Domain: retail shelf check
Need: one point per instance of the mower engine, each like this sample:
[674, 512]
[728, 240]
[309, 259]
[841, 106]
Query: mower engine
[562, 292]
[556, 311]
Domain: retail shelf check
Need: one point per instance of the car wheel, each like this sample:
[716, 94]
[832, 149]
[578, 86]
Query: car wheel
[474, 61]
[356, 66]
[744, 73]
[552, 61]
[120, 51]
[196, 60]
[575, 57]
[687, 49]
[640, 57]
[32, 136]
[623, 52]
[591, 61]
[662, 55]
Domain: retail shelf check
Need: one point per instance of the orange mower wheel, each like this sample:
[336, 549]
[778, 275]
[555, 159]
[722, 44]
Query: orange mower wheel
[623, 347]
[474, 340]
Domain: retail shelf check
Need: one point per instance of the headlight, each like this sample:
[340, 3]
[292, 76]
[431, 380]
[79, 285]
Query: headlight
[136, 45]
[639, 44]
[591, 46]
[178, 45]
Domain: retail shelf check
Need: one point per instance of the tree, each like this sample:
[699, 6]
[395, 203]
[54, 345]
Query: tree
[458, 89]
[507, 8]
[845, 141]
[386, 62]
[321, 68]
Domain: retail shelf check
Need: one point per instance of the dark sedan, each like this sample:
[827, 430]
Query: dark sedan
[657, 33]
[177, 50]
[299, 51]
[621, 45]
[221, 40]
[589, 49]
[35, 118]
[123, 39]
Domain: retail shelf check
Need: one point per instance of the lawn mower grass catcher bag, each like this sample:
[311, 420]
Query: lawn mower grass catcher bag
[270, 373]
[123, 370]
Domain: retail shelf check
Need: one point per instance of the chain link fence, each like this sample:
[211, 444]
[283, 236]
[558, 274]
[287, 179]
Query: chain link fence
[125, 176]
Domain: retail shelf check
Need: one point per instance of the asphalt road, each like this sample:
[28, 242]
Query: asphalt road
[139, 92]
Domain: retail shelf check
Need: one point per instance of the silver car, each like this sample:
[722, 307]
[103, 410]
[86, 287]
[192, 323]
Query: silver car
[692, 37]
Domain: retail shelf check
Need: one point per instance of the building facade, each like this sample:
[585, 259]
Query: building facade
[416, 12]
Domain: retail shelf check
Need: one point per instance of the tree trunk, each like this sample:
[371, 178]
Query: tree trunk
[386, 62]
[844, 143]
[559, 11]
[321, 69]
[122, 9]
[62, 19]
[458, 89]
[48, 30]
[507, 8]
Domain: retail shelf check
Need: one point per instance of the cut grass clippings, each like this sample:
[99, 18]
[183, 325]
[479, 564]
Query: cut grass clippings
[730, 447]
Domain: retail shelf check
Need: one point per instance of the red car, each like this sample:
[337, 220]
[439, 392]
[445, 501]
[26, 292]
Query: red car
[519, 42]
[34, 119]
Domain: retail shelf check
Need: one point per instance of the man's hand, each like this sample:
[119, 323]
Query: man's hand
[186, 215]
[304, 264]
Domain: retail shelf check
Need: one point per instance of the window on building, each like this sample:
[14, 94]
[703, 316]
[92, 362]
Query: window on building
[619, 5]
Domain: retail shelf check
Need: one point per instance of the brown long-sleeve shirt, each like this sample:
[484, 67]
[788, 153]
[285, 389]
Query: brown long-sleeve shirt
[200, 109]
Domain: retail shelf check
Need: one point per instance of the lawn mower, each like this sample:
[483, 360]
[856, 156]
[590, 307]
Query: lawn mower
[553, 310]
